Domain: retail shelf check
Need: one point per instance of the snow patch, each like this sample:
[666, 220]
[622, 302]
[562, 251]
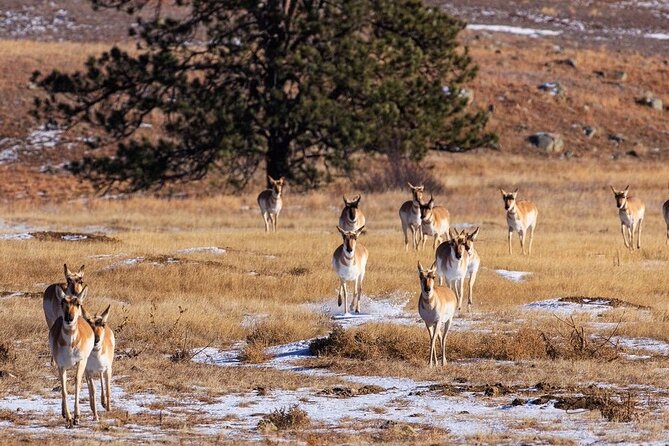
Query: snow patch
[74, 237]
[514, 276]
[558, 306]
[657, 36]
[389, 309]
[653, 346]
[202, 249]
[19, 236]
[531, 32]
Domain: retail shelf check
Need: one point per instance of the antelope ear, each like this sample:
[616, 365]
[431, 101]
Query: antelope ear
[612, 189]
[357, 200]
[431, 202]
[474, 234]
[272, 180]
[453, 233]
[282, 180]
[82, 295]
[420, 268]
[411, 185]
[66, 270]
[345, 200]
[360, 229]
[87, 316]
[434, 266]
[60, 294]
[105, 314]
[627, 189]
[515, 192]
[420, 188]
[341, 231]
[503, 192]
[81, 270]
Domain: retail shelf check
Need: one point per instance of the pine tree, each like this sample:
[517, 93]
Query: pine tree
[300, 87]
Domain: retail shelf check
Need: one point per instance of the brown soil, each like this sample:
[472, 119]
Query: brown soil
[54, 236]
[610, 301]
[347, 392]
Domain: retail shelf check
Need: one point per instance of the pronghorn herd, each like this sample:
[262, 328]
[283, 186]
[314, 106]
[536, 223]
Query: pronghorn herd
[456, 260]
[78, 341]
[85, 343]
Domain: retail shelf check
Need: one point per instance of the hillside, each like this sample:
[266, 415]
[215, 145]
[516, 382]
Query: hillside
[581, 73]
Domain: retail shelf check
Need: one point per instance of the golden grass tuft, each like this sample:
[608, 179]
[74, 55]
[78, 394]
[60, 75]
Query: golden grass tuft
[403, 343]
[285, 418]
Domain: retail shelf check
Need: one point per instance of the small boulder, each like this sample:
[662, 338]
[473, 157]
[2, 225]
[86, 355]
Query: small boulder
[554, 88]
[650, 101]
[548, 142]
[619, 76]
[616, 138]
[569, 62]
[589, 131]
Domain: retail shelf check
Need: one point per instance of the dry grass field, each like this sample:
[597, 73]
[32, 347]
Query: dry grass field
[170, 301]
[229, 335]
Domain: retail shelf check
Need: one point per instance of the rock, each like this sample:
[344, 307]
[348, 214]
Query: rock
[619, 76]
[467, 94]
[554, 88]
[589, 131]
[650, 101]
[548, 142]
[568, 155]
[616, 137]
[569, 62]
[518, 402]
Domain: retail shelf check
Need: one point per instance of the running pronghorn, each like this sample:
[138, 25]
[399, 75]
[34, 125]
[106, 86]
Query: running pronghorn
[521, 217]
[71, 341]
[436, 306]
[349, 261]
[665, 213]
[434, 221]
[270, 202]
[410, 216]
[472, 265]
[631, 211]
[351, 217]
[100, 360]
[50, 302]
[452, 260]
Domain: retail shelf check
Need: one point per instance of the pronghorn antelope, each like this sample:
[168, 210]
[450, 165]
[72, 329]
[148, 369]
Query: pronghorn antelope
[631, 211]
[436, 306]
[410, 216]
[71, 341]
[100, 360]
[270, 202]
[351, 217]
[521, 216]
[452, 261]
[434, 221]
[50, 302]
[472, 265]
[349, 261]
